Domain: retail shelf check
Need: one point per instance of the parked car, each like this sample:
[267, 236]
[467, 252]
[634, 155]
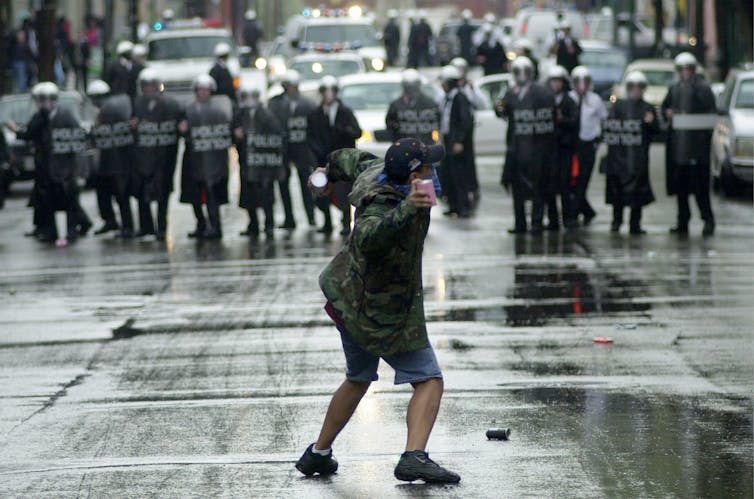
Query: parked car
[539, 27]
[732, 158]
[19, 108]
[447, 45]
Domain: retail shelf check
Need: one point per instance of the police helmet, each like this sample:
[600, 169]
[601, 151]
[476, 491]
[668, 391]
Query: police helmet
[636, 78]
[222, 49]
[522, 63]
[290, 77]
[557, 72]
[450, 73]
[328, 83]
[97, 88]
[124, 48]
[685, 60]
[581, 73]
[204, 81]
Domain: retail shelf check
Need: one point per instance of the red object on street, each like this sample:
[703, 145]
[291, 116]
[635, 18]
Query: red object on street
[575, 170]
[601, 340]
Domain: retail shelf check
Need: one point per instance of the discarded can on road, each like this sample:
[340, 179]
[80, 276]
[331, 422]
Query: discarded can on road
[498, 433]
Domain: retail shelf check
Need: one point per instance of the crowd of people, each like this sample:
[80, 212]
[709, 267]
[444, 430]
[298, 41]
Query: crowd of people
[73, 52]
[554, 131]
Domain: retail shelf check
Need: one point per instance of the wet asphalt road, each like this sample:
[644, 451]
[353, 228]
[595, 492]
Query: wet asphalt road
[191, 369]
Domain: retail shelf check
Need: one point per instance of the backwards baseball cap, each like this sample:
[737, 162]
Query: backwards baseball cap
[405, 156]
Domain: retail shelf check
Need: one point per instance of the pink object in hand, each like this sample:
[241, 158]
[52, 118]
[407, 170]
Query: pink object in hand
[429, 187]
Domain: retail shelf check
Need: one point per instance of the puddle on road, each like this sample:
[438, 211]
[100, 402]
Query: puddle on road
[653, 445]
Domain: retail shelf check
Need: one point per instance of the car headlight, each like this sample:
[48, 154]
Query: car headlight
[260, 63]
[366, 137]
[744, 147]
[436, 136]
[378, 64]
[278, 69]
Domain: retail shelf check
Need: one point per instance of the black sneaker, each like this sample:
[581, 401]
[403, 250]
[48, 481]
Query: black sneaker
[416, 465]
[311, 463]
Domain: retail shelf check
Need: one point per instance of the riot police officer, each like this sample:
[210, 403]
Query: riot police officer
[119, 75]
[221, 74]
[530, 111]
[114, 139]
[413, 114]
[260, 139]
[292, 109]
[155, 121]
[333, 126]
[204, 176]
[688, 143]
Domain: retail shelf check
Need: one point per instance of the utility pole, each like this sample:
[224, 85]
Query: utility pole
[46, 37]
[631, 31]
[659, 26]
[4, 25]
[699, 30]
[133, 19]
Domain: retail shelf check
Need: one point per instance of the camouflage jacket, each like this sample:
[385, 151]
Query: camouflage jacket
[375, 282]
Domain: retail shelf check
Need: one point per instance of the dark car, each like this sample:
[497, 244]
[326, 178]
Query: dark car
[447, 45]
[19, 108]
[606, 64]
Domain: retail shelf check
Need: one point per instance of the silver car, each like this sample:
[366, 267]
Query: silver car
[732, 158]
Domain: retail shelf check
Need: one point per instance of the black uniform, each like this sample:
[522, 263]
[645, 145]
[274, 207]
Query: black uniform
[688, 151]
[293, 115]
[415, 116]
[261, 155]
[494, 56]
[325, 137]
[569, 59]
[204, 175]
[456, 168]
[58, 137]
[628, 137]
[567, 134]
[224, 81]
[154, 159]
[419, 41]
[530, 158]
[391, 37]
[114, 179]
[120, 77]
[252, 34]
[466, 45]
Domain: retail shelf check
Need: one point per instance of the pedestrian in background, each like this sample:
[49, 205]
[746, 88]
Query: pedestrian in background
[333, 126]
[457, 131]
[591, 112]
[253, 33]
[465, 33]
[22, 60]
[374, 296]
[118, 74]
[419, 42]
[391, 37]
[687, 151]
[529, 109]
[566, 132]
[292, 110]
[566, 47]
[221, 74]
[82, 55]
[490, 52]
[628, 135]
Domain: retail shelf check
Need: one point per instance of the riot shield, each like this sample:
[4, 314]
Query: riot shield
[209, 138]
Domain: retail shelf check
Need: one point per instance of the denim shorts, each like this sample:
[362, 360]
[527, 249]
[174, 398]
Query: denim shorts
[412, 367]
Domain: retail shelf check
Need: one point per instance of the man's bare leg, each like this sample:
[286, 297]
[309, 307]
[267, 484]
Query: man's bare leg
[344, 402]
[422, 413]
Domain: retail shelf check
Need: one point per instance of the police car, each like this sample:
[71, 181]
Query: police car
[370, 95]
[336, 30]
[179, 54]
[314, 66]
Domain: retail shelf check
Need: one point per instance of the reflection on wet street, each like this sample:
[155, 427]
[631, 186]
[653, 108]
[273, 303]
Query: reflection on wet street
[202, 369]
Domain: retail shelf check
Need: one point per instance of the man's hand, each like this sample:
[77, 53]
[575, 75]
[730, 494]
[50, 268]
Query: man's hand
[329, 188]
[183, 126]
[457, 148]
[649, 117]
[11, 126]
[238, 133]
[419, 199]
[134, 122]
[669, 114]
